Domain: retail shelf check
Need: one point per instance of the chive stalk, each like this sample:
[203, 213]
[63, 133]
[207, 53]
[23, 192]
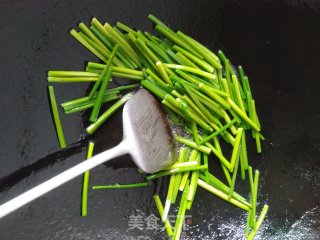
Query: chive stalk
[185, 176]
[90, 104]
[182, 164]
[222, 195]
[84, 100]
[162, 72]
[158, 51]
[168, 199]
[183, 60]
[91, 35]
[259, 222]
[73, 79]
[181, 160]
[82, 40]
[212, 105]
[236, 149]
[94, 126]
[254, 197]
[154, 89]
[192, 144]
[244, 153]
[216, 183]
[71, 74]
[121, 186]
[56, 118]
[242, 161]
[252, 190]
[193, 185]
[216, 133]
[234, 174]
[122, 42]
[219, 155]
[98, 102]
[237, 92]
[181, 213]
[120, 54]
[204, 65]
[146, 49]
[206, 53]
[176, 170]
[208, 90]
[243, 115]
[85, 186]
[156, 21]
[103, 80]
[167, 32]
[224, 168]
[195, 132]
[192, 70]
[167, 224]
[125, 28]
[205, 162]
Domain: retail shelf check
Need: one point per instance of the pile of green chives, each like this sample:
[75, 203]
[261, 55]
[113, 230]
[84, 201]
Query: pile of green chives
[200, 91]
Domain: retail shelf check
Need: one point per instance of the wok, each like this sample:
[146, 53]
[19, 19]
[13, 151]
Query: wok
[277, 43]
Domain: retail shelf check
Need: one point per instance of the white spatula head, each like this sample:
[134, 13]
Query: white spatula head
[148, 133]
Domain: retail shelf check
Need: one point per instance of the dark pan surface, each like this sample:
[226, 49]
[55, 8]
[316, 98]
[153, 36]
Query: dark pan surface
[277, 43]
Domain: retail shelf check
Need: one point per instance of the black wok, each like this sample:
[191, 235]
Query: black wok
[277, 43]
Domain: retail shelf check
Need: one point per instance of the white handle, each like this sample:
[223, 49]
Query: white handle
[61, 178]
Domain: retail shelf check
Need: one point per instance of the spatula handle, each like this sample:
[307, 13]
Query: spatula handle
[61, 178]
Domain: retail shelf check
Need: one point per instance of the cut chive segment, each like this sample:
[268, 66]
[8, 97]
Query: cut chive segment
[167, 224]
[193, 185]
[94, 126]
[181, 213]
[98, 102]
[104, 79]
[236, 148]
[193, 145]
[71, 74]
[259, 222]
[121, 186]
[90, 104]
[85, 100]
[206, 53]
[182, 164]
[125, 28]
[77, 36]
[255, 196]
[85, 186]
[234, 174]
[181, 160]
[185, 176]
[176, 170]
[204, 65]
[251, 215]
[167, 32]
[56, 118]
[243, 115]
[223, 160]
[163, 72]
[222, 195]
[216, 133]
[192, 70]
[73, 79]
[168, 199]
[216, 183]
[89, 34]
[224, 168]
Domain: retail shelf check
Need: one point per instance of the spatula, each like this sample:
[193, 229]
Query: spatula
[146, 137]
